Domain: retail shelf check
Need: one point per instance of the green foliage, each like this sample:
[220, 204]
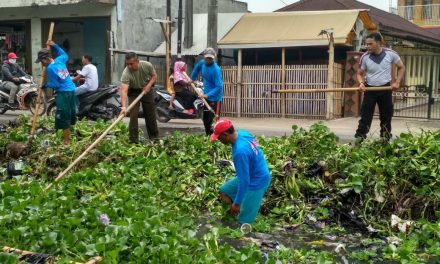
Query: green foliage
[157, 194]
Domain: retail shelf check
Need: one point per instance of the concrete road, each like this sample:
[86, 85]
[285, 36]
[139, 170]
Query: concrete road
[344, 128]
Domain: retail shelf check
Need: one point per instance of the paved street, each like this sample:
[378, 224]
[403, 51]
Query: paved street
[344, 127]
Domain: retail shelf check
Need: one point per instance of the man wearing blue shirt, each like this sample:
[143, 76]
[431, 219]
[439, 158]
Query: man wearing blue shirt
[213, 83]
[58, 78]
[244, 192]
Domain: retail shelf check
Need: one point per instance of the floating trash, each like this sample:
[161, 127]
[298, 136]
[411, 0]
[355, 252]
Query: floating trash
[45, 143]
[246, 228]
[15, 167]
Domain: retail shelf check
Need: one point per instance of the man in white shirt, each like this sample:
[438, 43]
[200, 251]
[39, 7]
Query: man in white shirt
[90, 74]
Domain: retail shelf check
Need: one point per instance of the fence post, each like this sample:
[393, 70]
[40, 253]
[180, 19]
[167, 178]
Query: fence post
[239, 81]
[430, 99]
[330, 78]
[283, 82]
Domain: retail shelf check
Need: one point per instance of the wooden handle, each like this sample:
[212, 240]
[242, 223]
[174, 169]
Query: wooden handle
[380, 88]
[96, 142]
[40, 84]
[17, 251]
[94, 260]
[199, 94]
[51, 29]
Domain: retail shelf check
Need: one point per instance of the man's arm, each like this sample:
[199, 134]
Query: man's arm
[400, 72]
[22, 72]
[7, 75]
[124, 91]
[360, 75]
[77, 78]
[196, 71]
[62, 55]
[150, 83]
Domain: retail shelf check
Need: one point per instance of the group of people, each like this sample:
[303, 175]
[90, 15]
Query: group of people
[245, 192]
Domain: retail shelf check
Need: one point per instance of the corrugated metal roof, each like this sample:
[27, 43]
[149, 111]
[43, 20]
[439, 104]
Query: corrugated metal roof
[294, 29]
[390, 24]
[225, 22]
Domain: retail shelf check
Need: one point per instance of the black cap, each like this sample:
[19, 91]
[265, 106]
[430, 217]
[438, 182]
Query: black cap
[42, 54]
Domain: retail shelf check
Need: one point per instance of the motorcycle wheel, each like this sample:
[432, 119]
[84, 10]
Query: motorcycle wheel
[51, 110]
[33, 106]
[3, 108]
[159, 116]
[115, 109]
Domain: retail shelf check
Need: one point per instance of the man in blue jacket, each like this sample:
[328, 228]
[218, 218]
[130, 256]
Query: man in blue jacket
[58, 78]
[213, 83]
[244, 192]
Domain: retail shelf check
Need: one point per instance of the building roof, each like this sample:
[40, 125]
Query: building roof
[388, 24]
[434, 30]
[293, 29]
[200, 33]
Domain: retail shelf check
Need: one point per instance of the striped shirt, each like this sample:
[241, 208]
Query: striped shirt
[378, 66]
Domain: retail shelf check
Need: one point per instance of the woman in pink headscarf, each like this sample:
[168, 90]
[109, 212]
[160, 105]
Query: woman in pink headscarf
[182, 88]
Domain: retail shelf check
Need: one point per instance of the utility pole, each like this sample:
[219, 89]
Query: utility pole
[188, 41]
[168, 38]
[212, 24]
[179, 31]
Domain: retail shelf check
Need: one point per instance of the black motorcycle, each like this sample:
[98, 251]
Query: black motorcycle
[165, 114]
[103, 103]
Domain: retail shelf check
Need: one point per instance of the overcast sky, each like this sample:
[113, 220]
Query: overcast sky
[271, 5]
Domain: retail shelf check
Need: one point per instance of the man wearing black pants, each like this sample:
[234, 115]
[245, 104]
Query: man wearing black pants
[213, 91]
[376, 70]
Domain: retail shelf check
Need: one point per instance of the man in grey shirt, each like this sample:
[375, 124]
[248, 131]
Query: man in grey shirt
[376, 70]
[90, 75]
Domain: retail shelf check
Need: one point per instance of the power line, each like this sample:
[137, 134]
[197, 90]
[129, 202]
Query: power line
[283, 2]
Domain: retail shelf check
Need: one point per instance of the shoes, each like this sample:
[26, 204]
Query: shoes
[13, 105]
[189, 111]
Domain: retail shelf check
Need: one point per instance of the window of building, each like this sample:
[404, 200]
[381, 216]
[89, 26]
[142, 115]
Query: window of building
[409, 9]
[427, 9]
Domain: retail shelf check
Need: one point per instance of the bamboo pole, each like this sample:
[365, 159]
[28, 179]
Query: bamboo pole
[40, 84]
[368, 89]
[94, 144]
[330, 77]
[283, 82]
[17, 251]
[94, 260]
[239, 80]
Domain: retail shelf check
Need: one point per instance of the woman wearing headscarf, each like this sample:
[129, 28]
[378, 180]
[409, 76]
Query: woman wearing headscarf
[182, 88]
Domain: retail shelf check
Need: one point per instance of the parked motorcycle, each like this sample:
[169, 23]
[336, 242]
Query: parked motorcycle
[26, 97]
[165, 114]
[103, 103]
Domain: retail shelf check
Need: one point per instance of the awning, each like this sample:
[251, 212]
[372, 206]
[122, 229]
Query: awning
[293, 29]
[200, 32]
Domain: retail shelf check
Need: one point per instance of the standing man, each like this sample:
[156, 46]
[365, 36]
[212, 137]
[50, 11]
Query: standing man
[90, 74]
[12, 74]
[244, 192]
[59, 80]
[213, 83]
[376, 70]
[139, 76]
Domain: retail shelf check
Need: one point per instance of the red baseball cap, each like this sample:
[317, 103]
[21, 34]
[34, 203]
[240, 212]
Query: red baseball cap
[12, 55]
[220, 126]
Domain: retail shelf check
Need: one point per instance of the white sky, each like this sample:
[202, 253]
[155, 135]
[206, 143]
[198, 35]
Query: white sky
[271, 5]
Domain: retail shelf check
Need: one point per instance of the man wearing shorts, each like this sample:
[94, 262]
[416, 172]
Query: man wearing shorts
[244, 192]
[58, 78]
